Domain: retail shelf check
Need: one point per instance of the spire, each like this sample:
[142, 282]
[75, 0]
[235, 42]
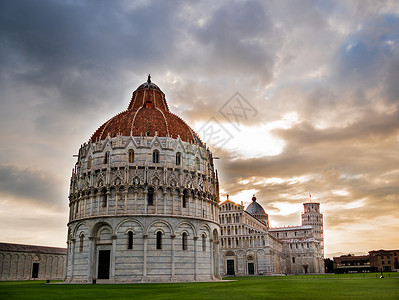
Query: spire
[254, 198]
[149, 78]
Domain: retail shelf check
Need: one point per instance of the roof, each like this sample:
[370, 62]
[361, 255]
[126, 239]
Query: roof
[303, 227]
[382, 252]
[255, 208]
[351, 257]
[147, 115]
[31, 248]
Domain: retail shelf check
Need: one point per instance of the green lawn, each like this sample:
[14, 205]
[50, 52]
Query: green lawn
[356, 286]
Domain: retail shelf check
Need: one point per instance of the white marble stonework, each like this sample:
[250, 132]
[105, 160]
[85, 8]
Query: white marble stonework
[143, 208]
[250, 247]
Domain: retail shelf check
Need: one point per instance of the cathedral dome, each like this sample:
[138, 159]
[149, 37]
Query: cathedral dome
[255, 208]
[147, 115]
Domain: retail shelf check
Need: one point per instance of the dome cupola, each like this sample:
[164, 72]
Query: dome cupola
[256, 210]
[147, 115]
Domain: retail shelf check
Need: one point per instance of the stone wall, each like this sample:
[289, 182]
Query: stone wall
[144, 262]
[26, 262]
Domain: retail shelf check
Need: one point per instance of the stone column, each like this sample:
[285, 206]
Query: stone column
[126, 194]
[108, 198]
[156, 200]
[91, 204]
[173, 257]
[98, 202]
[135, 200]
[195, 257]
[173, 201]
[145, 238]
[195, 204]
[181, 203]
[66, 261]
[164, 201]
[145, 201]
[216, 258]
[113, 237]
[116, 202]
[91, 261]
[84, 206]
[189, 204]
[211, 257]
[72, 257]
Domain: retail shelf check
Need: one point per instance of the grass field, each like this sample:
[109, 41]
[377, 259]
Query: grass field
[356, 286]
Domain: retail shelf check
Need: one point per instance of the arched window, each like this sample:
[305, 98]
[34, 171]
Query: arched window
[178, 159]
[197, 162]
[130, 240]
[184, 241]
[203, 242]
[89, 162]
[184, 199]
[155, 156]
[81, 237]
[104, 198]
[159, 240]
[150, 196]
[131, 156]
[293, 260]
[106, 158]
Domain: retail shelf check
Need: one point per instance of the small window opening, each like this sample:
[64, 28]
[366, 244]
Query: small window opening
[155, 156]
[130, 240]
[203, 243]
[178, 159]
[89, 163]
[184, 241]
[184, 199]
[150, 196]
[159, 240]
[104, 198]
[106, 158]
[131, 156]
[81, 236]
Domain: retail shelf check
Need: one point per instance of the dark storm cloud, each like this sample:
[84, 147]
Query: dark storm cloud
[239, 37]
[367, 54]
[26, 185]
[78, 49]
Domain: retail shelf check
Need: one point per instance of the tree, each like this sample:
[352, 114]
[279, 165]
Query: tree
[328, 263]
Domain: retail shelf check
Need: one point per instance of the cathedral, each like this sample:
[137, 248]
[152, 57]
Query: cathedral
[144, 207]
[249, 246]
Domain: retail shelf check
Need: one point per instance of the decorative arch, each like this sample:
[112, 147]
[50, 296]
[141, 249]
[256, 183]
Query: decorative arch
[146, 230]
[129, 220]
[206, 229]
[78, 227]
[100, 225]
[189, 224]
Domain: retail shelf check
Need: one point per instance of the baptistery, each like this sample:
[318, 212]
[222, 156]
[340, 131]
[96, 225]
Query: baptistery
[143, 201]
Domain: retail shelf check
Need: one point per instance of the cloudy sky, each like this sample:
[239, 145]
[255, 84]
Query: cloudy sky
[302, 97]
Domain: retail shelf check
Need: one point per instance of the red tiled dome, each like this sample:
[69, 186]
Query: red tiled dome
[147, 114]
